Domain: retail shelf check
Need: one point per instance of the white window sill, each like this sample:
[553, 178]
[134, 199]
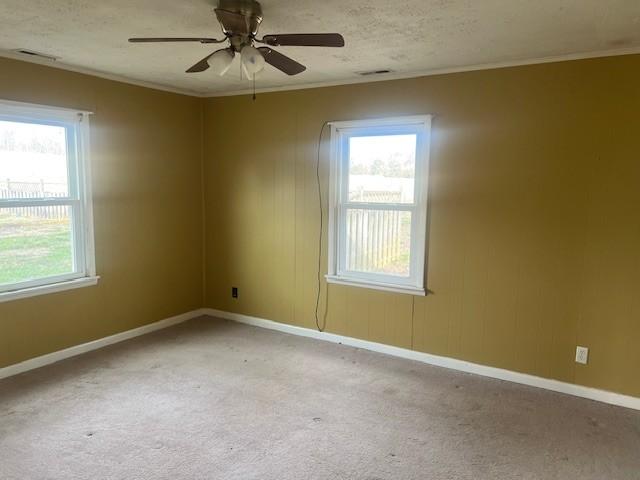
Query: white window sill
[51, 288]
[387, 287]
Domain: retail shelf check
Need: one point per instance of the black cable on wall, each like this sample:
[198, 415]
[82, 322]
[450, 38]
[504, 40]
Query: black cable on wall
[319, 276]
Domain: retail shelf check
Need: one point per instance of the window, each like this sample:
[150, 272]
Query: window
[378, 203]
[46, 227]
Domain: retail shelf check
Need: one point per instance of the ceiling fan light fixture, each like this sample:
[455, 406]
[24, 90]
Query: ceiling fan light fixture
[220, 61]
[240, 20]
[252, 60]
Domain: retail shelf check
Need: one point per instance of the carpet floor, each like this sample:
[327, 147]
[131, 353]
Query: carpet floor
[211, 399]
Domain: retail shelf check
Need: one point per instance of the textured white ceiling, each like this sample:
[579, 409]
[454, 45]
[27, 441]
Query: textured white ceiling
[408, 36]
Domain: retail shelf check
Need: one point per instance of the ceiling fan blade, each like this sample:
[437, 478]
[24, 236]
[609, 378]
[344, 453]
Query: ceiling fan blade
[179, 39]
[201, 66]
[281, 62]
[305, 39]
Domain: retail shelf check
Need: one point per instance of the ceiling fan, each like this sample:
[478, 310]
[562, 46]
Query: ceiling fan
[240, 20]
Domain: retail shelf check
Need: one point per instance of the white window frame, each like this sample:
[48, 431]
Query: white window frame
[79, 201]
[339, 203]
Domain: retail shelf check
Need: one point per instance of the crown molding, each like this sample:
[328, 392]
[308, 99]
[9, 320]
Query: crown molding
[436, 71]
[333, 83]
[97, 73]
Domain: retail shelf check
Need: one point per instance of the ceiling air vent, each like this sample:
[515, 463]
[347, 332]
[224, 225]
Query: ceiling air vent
[31, 53]
[374, 72]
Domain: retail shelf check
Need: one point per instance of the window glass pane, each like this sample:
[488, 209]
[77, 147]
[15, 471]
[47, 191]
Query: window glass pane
[33, 160]
[382, 168]
[35, 242]
[378, 241]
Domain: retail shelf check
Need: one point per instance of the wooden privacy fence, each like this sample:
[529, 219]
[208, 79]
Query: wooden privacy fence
[376, 239]
[25, 190]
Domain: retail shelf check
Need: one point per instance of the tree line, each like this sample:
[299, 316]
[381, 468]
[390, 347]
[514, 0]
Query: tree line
[9, 142]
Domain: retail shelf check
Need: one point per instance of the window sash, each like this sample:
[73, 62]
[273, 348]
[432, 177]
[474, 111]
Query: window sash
[379, 206]
[378, 131]
[78, 244]
[36, 202]
[71, 137]
[14, 287]
[79, 193]
[342, 269]
[339, 203]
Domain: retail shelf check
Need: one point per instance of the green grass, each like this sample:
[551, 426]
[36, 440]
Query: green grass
[33, 248]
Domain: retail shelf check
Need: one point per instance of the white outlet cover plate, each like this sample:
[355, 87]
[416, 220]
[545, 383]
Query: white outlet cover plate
[582, 355]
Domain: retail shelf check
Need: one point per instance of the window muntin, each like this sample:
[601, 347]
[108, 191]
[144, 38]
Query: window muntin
[46, 234]
[378, 203]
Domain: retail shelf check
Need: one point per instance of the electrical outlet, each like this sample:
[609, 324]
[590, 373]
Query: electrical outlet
[582, 355]
[234, 292]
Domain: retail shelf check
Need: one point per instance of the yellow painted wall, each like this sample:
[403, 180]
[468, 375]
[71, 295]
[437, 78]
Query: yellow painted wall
[534, 242]
[146, 162]
[534, 222]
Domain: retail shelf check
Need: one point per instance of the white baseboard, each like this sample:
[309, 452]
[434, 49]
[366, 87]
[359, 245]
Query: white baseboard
[446, 362]
[53, 357]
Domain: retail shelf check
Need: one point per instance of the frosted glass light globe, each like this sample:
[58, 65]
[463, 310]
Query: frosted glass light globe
[220, 61]
[252, 60]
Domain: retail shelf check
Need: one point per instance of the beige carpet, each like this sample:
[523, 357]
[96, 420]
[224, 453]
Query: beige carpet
[211, 399]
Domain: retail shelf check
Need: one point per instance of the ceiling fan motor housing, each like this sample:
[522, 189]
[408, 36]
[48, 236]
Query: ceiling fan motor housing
[239, 17]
